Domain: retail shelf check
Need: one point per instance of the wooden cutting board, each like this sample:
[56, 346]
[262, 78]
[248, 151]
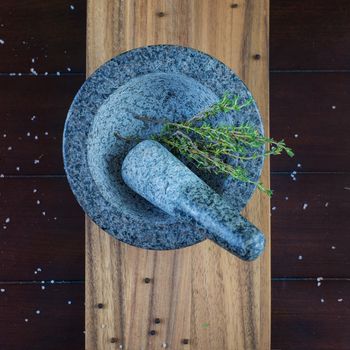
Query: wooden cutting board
[205, 298]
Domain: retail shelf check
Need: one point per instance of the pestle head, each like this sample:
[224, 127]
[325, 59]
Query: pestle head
[157, 175]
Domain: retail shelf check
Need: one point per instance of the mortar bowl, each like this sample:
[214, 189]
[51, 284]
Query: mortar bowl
[161, 82]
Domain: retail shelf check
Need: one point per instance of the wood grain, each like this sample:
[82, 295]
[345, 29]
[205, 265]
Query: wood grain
[200, 293]
[53, 242]
[33, 111]
[300, 320]
[59, 325]
[315, 107]
[47, 36]
[310, 35]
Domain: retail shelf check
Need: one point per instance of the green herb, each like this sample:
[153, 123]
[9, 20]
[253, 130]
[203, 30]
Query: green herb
[212, 148]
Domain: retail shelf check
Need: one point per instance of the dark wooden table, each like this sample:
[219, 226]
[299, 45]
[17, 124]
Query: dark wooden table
[42, 64]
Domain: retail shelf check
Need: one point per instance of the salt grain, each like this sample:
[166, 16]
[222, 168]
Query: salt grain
[46, 73]
[36, 161]
[37, 312]
[28, 134]
[33, 117]
[274, 208]
[299, 165]
[33, 71]
[26, 320]
[44, 213]
[69, 69]
[7, 220]
[305, 206]
[4, 136]
[164, 345]
[326, 205]
[2, 175]
[340, 300]
[58, 73]
[333, 247]
[42, 287]
[69, 302]
[286, 198]
[18, 168]
[4, 227]
[2, 41]
[36, 137]
[300, 257]
[334, 107]
[35, 190]
[322, 300]
[72, 7]
[2, 290]
[296, 136]
[52, 281]
[38, 202]
[318, 284]
[46, 133]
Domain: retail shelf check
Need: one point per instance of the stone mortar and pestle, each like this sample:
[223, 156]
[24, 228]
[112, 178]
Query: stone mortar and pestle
[138, 191]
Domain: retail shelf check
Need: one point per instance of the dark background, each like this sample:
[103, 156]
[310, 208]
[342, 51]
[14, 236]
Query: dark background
[42, 227]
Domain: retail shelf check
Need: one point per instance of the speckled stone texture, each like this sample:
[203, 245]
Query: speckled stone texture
[158, 176]
[162, 81]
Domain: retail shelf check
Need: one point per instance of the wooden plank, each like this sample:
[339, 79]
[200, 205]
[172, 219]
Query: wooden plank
[59, 325]
[53, 242]
[33, 111]
[201, 293]
[300, 320]
[50, 33]
[315, 107]
[310, 34]
[319, 205]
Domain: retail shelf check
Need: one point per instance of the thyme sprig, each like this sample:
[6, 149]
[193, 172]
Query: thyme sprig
[212, 148]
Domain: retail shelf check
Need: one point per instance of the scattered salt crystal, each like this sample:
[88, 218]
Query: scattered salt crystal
[26, 320]
[120, 346]
[286, 198]
[18, 168]
[164, 345]
[318, 284]
[294, 172]
[300, 257]
[2, 41]
[340, 300]
[35, 272]
[33, 117]
[274, 208]
[46, 133]
[52, 281]
[39, 269]
[33, 71]
[69, 302]
[333, 247]
[42, 282]
[35, 190]
[46, 73]
[19, 74]
[4, 227]
[43, 287]
[58, 73]
[72, 7]
[7, 220]
[12, 74]
[305, 206]
[36, 137]
[296, 136]
[69, 69]
[4, 136]
[28, 133]
[322, 300]
[103, 326]
[37, 312]
[334, 107]
[326, 205]
[299, 165]
[44, 213]
[318, 279]
[36, 161]
[2, 175]
[2, 290]
[55, 218]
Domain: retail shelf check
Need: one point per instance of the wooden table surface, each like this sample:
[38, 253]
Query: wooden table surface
[42, 227]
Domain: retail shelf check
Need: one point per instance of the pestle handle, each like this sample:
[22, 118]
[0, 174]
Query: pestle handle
[158, 176]
[225, 225]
